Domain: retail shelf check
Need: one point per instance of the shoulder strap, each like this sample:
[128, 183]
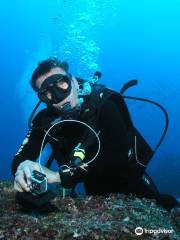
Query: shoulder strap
[43, 119]
[93, 106]
[118, 99]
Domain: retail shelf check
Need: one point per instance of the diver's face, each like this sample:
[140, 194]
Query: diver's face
[73, 96]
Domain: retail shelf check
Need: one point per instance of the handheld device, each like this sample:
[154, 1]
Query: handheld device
[38, 183]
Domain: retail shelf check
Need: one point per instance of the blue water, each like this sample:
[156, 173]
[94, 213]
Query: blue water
[124, 39]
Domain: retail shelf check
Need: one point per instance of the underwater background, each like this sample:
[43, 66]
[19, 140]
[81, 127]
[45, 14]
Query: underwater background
[123, 39]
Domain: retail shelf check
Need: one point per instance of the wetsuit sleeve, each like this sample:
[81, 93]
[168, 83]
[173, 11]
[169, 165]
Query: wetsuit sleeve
[29, 149]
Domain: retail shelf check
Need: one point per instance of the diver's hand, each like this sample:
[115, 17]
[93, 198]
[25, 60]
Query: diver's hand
[22, 180]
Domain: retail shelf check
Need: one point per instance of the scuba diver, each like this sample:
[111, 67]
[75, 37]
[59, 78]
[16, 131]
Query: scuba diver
[91, 134]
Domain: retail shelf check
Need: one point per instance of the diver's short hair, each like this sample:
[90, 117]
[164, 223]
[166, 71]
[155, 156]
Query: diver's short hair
[44, 67]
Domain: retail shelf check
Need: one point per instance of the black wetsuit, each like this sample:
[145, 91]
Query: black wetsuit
[118, 168]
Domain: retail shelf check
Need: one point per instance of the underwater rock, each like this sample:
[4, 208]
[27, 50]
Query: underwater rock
[113, 217]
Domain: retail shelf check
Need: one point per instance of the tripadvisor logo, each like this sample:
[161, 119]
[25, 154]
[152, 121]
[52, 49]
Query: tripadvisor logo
[140, 231]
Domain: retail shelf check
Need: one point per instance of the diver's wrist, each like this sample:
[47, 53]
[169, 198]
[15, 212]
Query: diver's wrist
[57, 177]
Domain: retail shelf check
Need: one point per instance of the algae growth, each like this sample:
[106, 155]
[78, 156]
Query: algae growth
[114, 217]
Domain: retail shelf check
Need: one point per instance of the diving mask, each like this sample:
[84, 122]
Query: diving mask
[52, 90]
